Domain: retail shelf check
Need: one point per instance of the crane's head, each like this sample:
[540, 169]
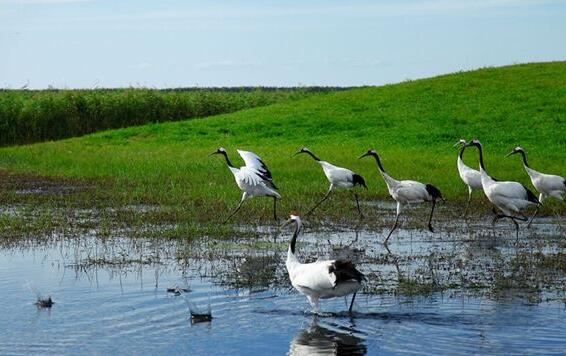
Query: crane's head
[219, 150]
[461, 142]
[370, 152]
[474, 142]
[515, 150]
[302, 150]
[294, 218]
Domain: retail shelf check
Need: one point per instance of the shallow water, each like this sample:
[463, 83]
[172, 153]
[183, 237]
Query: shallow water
[110, 295]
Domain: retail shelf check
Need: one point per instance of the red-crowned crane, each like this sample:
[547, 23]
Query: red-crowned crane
[470, 177]
[320, 279]
[509, 197]
[406, 192]
[254, 179]
[338, 177]
[548, 185]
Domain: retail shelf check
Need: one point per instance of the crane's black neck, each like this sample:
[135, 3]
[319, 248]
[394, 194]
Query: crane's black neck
[480, 148]
[378, 160]
[227, 159]
[461, 154]
[524, 155]
[313, 155]
[294, 238]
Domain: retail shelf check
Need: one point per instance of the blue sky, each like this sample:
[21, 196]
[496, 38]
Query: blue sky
[113, 43]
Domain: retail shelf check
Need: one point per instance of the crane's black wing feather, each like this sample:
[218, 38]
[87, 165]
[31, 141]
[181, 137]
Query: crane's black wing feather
[345, 271]
[531, 196]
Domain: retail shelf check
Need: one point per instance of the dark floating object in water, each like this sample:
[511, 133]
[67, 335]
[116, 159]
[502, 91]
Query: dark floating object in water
[199, 315]
[177, 290]
[44, 302]
[200, 318]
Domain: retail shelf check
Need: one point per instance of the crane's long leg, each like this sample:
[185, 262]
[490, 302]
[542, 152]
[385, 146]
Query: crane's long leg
[275, 208]
[358, 205]
[540, 199]
[313, 301]
[352, 303]
[533, 216]
[430, 217]
[514, 219]
[244, 196]
[469, 200]
[495, 218]
[323, 199]
[395, 224]
[516, 229]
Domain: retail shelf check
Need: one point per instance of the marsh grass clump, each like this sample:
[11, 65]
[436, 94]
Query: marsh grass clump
[254, 272]
[416, 286]
[552, 261]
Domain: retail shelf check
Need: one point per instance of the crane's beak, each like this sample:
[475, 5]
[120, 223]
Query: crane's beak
[362, 156]
[456, 144]
[286, 223]
[213, 153]
[297, 153]
[510, 153]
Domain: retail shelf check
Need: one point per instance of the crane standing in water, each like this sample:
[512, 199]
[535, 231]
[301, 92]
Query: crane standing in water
[321, 279]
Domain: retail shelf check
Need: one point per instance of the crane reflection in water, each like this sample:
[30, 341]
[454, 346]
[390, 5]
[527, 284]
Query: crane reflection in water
[320, 340]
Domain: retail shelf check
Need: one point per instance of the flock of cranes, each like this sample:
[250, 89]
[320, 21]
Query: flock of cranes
[336, 278]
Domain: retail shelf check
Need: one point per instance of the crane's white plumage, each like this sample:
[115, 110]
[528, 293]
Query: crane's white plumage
[509, 197]
[470, 177]
[338, 177]
[547, 185]
[320, 279]
[406, 192]
[254, 179]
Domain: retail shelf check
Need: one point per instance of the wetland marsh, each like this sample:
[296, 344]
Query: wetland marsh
[107, 223]
[456, 292]
[469, 287]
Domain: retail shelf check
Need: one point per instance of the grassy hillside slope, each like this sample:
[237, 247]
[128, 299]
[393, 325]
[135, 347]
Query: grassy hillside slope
[413, 125]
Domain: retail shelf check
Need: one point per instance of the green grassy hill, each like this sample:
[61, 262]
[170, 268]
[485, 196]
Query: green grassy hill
[413, 125]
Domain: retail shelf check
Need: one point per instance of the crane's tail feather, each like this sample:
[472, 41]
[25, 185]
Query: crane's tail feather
[359, 180]
[434, 192]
